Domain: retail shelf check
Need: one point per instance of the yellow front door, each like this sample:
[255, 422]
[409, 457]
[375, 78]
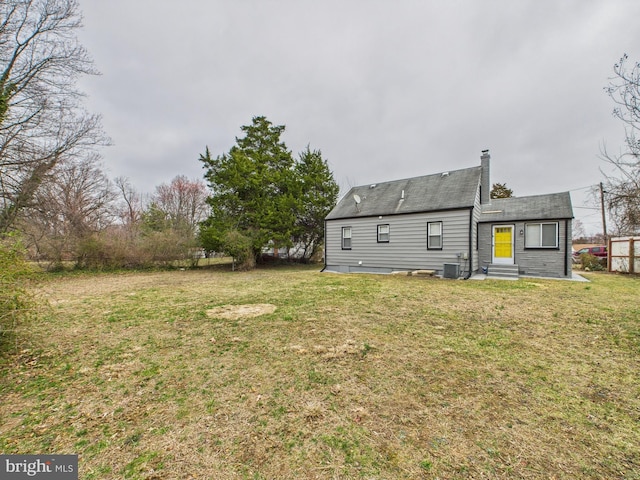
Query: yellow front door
[503, 244]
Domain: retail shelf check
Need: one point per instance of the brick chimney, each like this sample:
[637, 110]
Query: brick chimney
[485, 179]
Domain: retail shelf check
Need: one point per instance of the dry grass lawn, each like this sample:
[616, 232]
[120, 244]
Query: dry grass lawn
[289, 373]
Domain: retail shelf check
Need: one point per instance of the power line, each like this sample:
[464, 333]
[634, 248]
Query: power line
[583, 188]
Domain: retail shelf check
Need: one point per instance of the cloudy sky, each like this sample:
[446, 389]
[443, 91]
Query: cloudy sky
[385, 89]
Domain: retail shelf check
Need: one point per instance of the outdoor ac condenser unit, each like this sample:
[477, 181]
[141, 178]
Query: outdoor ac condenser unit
[451, 270]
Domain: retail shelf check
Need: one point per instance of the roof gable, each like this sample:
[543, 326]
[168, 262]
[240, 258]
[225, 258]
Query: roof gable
[442, 191]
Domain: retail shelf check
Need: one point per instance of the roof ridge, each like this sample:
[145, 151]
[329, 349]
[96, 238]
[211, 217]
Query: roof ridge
[367, 185]
[566, 192]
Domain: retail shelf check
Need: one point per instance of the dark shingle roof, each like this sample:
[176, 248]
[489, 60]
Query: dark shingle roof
[442, 191]
[537, 207]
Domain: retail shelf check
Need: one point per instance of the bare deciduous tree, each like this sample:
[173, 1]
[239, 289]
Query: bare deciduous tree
[623, 187]
[74, 204]
[41, 119]
[183, 203]
[577, 230]
[131, 208]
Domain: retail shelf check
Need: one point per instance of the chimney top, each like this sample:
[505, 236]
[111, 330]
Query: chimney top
[485, 183]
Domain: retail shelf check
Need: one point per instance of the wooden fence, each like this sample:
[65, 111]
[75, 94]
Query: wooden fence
[624, 254]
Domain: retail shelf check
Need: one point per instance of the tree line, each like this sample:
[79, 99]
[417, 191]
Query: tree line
[81, 217]
[256, 198]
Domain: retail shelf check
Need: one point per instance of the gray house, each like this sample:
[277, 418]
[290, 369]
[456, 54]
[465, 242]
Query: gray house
[447, 223]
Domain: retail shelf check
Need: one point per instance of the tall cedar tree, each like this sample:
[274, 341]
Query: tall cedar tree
[262, 197]
[253, 190]
[318, 195]
[500, 190]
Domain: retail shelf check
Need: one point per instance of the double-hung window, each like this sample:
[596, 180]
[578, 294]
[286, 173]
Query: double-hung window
[541, 235]
[434, 235]
[383, 233]
[346, 238]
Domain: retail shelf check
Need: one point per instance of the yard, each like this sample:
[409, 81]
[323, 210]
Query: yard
[285, 373]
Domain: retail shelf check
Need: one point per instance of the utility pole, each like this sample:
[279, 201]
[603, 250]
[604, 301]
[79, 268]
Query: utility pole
[604, 218]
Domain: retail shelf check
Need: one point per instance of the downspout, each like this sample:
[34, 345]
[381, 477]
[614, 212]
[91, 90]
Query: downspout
[470, 243]
[325, 247]
[566, 248]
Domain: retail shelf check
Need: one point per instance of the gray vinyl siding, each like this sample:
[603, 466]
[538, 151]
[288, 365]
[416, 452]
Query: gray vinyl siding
[546, 262]
[484, 244]
[407, 246]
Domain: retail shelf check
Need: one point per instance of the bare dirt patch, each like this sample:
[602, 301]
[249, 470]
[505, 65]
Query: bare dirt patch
[236, 312]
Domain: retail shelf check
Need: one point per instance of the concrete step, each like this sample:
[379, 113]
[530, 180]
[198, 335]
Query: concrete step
[502, 271]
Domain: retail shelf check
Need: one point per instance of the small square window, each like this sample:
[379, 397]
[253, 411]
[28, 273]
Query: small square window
[383, 233]
[434, 235]
[346, 238]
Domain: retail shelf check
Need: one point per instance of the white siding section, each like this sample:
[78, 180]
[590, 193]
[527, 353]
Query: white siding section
[407, 247]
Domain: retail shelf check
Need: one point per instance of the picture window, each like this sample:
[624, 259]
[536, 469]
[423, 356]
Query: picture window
[541, 235]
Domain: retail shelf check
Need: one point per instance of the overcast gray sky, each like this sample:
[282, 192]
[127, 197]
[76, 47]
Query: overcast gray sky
[385, 89]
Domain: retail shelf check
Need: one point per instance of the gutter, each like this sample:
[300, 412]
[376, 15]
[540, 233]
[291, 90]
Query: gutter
[392, 214]
[325, 247]
[470, 244]
[566, 248]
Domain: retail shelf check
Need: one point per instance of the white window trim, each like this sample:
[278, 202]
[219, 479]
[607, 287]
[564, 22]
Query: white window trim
[430, 236]
[346, 237]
